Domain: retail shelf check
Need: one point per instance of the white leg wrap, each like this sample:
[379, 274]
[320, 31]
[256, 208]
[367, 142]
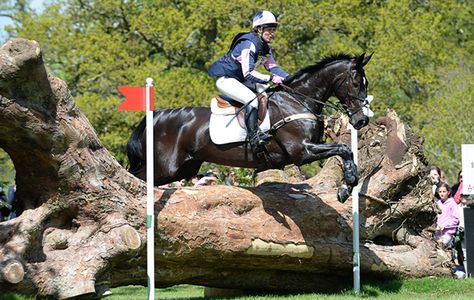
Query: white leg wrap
[233, 88]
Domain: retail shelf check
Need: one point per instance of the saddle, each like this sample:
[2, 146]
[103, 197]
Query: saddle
[227, 106]
[227, 120]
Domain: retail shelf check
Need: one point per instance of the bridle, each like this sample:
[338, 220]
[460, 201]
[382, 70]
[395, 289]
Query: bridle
[342, 107]
[350, 83]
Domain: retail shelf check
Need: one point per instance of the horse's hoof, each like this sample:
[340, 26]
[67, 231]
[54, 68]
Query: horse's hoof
[343, 194]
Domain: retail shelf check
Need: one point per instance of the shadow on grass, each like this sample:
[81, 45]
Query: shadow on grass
[377, 287]
[369, 289]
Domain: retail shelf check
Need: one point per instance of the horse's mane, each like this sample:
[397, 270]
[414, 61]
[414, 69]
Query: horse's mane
[318, 66]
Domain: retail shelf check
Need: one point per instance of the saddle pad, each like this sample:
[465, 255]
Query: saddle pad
[225, 129]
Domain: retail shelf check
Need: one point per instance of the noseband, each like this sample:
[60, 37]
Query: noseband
[348, 80]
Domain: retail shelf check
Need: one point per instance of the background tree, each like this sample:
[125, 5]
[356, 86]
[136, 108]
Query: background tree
[422, 65]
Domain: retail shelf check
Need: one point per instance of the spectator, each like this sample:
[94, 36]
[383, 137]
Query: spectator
[457, 188]
[435, 176]
[177, 184]
[12, 201]
[195, 179]
[208, 178]
[448, 221]
[462, 204]
[181, 183]
[460, 242]
[460, 245]
[231, 180]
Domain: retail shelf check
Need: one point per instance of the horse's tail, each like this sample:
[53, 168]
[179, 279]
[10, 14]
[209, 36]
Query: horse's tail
[134, 148]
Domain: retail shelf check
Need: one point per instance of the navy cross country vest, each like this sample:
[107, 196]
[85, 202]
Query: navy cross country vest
[227, 66]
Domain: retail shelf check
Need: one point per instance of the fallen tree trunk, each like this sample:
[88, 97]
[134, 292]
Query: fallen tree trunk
[82, 227]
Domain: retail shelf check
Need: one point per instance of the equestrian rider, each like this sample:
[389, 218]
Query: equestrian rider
[236, 71]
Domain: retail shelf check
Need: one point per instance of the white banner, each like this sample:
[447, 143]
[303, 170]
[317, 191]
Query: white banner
[467, 152]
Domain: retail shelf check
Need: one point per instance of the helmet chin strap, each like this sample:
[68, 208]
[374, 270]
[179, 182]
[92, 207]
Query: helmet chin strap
[260, 32]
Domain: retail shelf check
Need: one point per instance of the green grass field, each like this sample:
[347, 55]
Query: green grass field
[429, 288]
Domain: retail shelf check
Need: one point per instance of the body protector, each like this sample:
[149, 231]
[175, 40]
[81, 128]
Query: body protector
[246, 53]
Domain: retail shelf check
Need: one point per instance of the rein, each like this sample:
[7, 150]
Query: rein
[313, 115]
[328, 104]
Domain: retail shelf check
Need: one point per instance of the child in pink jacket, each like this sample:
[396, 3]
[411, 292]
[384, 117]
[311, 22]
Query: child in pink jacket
[448, 220]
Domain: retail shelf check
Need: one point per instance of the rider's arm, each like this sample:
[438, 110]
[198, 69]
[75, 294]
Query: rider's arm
[272, 66]
[247, 56]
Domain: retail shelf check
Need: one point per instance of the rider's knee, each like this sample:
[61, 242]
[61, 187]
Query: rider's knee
[233, 88]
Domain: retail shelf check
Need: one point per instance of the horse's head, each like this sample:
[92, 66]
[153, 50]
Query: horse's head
[351, 90]
[339, 75]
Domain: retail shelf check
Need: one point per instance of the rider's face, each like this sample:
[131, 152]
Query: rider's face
[267, 34]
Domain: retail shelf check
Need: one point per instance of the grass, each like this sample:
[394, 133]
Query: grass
[428, 288]
[174, 292]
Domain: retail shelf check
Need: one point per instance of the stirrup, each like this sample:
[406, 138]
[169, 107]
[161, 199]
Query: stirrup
[264, 136]
[259, 139]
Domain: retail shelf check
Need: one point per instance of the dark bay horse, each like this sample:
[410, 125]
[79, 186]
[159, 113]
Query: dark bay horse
[182, 141]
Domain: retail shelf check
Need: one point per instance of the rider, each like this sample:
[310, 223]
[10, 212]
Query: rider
[236, 71]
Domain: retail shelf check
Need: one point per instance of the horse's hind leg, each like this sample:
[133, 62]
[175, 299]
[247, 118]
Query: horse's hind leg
[186, 170]
[189, 169]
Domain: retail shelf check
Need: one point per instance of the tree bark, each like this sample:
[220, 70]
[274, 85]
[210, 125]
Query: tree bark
[82, 226]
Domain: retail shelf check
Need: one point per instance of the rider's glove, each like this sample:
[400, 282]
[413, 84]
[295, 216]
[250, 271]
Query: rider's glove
[276, 79]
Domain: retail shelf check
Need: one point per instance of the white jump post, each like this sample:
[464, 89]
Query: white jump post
[150, 201]
[355, 217]
[355, 202]
[139, 98]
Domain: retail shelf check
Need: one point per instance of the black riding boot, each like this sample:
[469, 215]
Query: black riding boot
[255, 137]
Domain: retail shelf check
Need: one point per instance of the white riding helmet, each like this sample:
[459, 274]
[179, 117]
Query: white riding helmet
[264, 18]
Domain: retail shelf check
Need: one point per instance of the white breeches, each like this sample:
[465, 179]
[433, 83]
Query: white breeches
[233, 88]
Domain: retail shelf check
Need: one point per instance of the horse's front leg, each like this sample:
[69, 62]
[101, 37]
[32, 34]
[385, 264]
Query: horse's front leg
[321, 151]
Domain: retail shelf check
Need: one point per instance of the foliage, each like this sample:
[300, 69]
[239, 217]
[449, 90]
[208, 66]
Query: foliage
[452, 125]
[7, 171]
[244, 177]
[422, 65]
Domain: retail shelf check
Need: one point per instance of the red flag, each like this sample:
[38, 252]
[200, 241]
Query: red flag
[135, 98]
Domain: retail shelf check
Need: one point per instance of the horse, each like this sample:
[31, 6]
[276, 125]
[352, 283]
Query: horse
[182, 141]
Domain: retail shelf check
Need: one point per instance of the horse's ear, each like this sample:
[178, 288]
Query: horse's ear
[366, 60]
[359, 62]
